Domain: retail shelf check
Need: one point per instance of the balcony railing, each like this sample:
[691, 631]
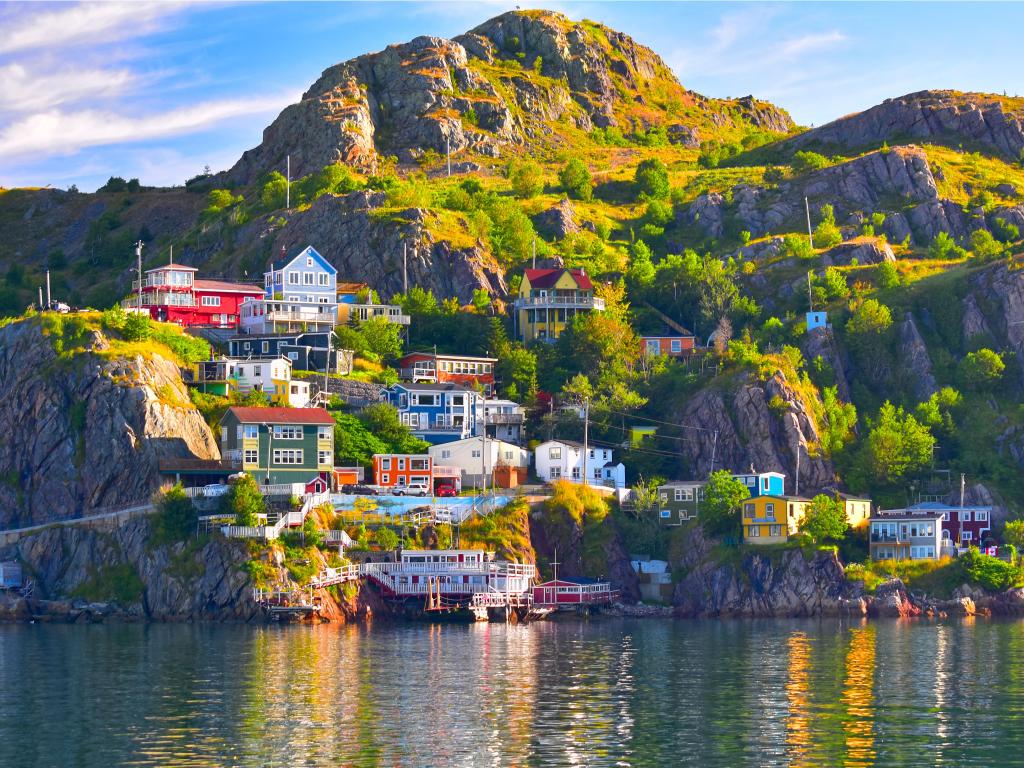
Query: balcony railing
[155, 282]
[161, 299]
[502, 418]
[579, 302]
[364, 312]
[891, 538]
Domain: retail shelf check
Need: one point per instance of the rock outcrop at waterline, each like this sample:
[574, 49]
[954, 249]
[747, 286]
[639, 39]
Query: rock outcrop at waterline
[81, 431]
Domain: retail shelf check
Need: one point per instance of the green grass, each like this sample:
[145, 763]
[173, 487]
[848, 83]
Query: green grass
[115, 583]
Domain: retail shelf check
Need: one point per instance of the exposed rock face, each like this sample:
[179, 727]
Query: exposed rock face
[821, 342]
[87, 432]
[864, 185]
[915, 362]
[750, 432]
[928, 115]
[759, 587]
[891, 599]
[996, 302]
[470, 94]
[369, 249]
[864, 250]
[557, 221]
[177, 583]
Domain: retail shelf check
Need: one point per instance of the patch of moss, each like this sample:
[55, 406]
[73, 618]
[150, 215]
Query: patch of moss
[116, 583]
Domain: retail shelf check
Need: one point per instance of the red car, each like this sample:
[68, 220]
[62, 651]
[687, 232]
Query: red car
[446, 490]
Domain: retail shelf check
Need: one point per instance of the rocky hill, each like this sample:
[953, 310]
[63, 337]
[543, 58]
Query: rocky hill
[84, 423]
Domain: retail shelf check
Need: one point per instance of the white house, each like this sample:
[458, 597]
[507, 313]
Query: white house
[475, 460]
[274, 377]
[299, 295]
[563, 460]
[503, 419]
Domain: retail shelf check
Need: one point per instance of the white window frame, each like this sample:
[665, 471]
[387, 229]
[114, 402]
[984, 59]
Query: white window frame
[250, 431]
[325, 458]
[287, 432]
[251, 456]
[288, 456]
[210, 301]
[293, 277]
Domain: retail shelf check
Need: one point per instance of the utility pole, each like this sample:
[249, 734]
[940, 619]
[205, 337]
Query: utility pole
[796, 492]
[714, 447]
[810, 296]
[41, 308]
[534, 248]
[810, 233]
[327, 364]
[288, 183]
[49, 298]
[586, 436]
[138, 259]
[483, 449]
[405, 269]
[448, 152]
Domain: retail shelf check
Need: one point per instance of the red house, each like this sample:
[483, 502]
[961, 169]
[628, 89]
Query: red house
[568, 592]
[398, 470]
[961, 526]
[173, 294]
[431, 368]
[673, 346]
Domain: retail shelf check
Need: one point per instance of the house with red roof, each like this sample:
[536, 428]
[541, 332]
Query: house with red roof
[279, 445]
[550, 299]
[173, 294]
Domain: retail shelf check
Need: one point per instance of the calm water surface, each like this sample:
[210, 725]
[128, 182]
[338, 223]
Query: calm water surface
[607, 692]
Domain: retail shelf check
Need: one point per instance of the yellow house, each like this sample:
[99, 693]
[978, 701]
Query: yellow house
[772, 519]
[550, 299]
[858, 509]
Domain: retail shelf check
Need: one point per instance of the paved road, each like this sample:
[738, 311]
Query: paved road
[13, 534]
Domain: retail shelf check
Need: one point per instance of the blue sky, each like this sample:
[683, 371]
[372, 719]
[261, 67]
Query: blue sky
[158, 90]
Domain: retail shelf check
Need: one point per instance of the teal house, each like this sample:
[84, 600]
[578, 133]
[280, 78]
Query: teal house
[279, 445]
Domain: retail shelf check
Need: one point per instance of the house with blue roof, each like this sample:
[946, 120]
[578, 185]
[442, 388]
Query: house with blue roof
[299, 296]
[437, 413]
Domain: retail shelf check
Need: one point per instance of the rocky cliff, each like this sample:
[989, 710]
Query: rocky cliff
[995, 122]
[81, 430]
[472, 96]
[117, 569]
[764, 425]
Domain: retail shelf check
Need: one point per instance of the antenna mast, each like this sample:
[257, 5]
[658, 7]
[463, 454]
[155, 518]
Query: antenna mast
[138, 258]
[810, 233]
[288, 183]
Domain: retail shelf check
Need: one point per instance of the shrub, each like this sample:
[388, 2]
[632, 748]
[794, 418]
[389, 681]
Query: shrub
[945, 247]
[527, 178]
[797, 246]
[981, 369]
[827, 234]
[175, 515]
[651, 179]
[575, 180]
[809, 161]
[886, 275]
[137, 327]
[984, 246]
[385, 538]
[988, 572]
[825, 519]
[1004, 231]
[243, 501]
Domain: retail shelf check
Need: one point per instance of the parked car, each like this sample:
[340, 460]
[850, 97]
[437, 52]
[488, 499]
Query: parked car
[416, 489]
[214, 490]
[445, 490]
[360, 490]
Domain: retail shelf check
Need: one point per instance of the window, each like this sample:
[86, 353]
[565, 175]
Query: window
[966, 536]
[287, 455]
[748, 510]
[981, 516]
[419, 465]
[555, 453]
[293, 356]
[250, 431]
[945, 516]
[266, 346]
[575, 473]
[307, 278]
[309, 261]
[677, 346]
[257, 370]
[385, 463]
[653, 347]
[293, 278]
[774, 530]
[422, 399]
[324, 458]
[324, 432]
[446, 454]
[385, 479]
[554, 473]
[287, 432]
[211, 301]
[664, 496]
[457, 399]
[965, 517]
[755, 531]
[401, 464]
[476, 453]
[322, 279]
[769, 510]
[251, 456]
[591, 454]
[508, 455]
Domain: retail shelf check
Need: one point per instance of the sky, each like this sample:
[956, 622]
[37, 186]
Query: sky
[159, 90]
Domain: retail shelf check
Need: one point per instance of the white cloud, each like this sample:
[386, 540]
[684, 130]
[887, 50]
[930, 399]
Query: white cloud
[59, 133]
[89, 23]
[813, 42]
[22, 90]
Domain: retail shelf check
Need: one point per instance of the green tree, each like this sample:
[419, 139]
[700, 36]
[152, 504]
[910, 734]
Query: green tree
[886, 275]
[840, 420]
[797, 247]
[723, 496]
[527, 178]
[385, 539]
[825, 519]
[175, 515]
[273, 193]
[897, 446]
[354, 444]
[381, 420]
[1013, 534]
[981, 370]
[243, 501]
[575, 180]
[137, 327]
[869, 321]
[809, 161]
[833, 284]
[945, 247]
[517, 368]
[827, 234]
[382, 338]
[651, 179]
[984, 246]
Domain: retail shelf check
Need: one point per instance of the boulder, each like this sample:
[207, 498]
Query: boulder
[891, 600]
[915, 362]
[557, 221]
[866, 250]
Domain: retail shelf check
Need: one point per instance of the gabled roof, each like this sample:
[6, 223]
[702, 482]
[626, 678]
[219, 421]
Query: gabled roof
[351, 287]
[172, 265]
[295, 253]
[546, 278]
[281, 415]
[442, 387]
[224, 286]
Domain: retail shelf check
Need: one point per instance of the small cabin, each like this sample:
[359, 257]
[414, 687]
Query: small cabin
[817, 320]
[568, 592]
[474, 557]
[10, 575]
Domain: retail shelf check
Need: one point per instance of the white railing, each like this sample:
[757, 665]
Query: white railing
[495, 599]
[289, 519]
[583, 302]
[329, 576]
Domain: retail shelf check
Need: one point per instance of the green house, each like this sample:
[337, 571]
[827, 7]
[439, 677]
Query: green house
[279, 445]
[680, 501]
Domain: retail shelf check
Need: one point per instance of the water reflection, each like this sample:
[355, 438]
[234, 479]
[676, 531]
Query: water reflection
[566, 693]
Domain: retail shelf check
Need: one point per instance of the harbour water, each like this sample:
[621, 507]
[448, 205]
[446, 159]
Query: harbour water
[603, 692]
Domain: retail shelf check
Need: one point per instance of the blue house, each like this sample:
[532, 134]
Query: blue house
[308, 351]
[299, 295]
[763, 483]
[817, 319]
[437, 413]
